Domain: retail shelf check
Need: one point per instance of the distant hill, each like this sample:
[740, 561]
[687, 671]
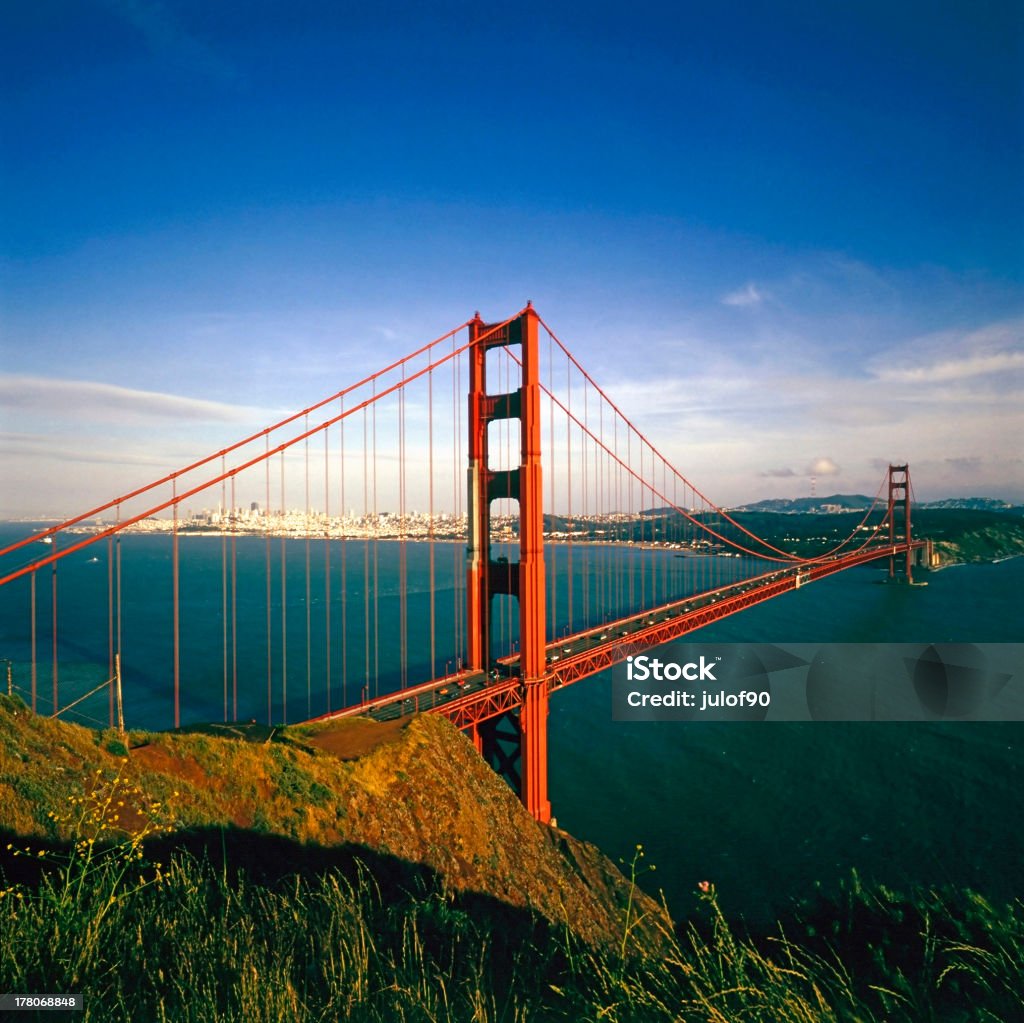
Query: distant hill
[809, 505]
[973, 503]
[858, 502]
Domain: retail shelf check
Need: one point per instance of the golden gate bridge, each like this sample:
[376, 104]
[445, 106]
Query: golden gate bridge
[437, 516]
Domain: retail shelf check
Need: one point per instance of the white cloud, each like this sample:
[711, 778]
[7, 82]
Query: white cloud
[823, 467]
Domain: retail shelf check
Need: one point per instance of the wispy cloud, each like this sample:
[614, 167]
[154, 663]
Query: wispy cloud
[954, 369]
[99, 402]
[70, 450]
[992, 350]
[934, 401]
[749, 295]
[969, 462]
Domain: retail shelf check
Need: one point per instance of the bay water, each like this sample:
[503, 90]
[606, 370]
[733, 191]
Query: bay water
[772, 812]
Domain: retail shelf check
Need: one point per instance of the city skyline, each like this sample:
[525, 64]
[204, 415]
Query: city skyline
[806, 222]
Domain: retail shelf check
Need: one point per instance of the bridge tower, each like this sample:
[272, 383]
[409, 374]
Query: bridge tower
[516, 747]
[899, 484]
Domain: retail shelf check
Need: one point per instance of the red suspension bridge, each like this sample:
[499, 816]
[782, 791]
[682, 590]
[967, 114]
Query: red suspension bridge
[387, 551]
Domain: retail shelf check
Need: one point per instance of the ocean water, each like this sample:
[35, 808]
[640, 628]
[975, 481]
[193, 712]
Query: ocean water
[767, 811]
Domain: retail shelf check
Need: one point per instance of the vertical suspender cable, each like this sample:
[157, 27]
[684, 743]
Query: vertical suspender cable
[455, 502]
[344, 560]
[695, 535]
[495, 457]
[53, 628]
[309, 609]
[176, 609]
[675, 517]
[234, 608]
[53, 624]
[603, 508]
[627, 528]
[376, 555]
[585, 510]
[511, 446]
[460, 604]
[110, 624]
[569, 522]
[643, 528]
[653, 531]
[631, 520]
[665, 527]
[366, 556]
[430, 522]
[652, 600]
[224, 584]
[267, 575]
[118, 652]
[284, 597]
[327, 566]
[502, 435]
[654, 534]
[457, 591]
[706, 565]
[32, 596]
[403, 568]
[615, 474]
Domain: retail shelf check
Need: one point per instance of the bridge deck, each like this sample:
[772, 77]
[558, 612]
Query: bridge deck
[469, 697]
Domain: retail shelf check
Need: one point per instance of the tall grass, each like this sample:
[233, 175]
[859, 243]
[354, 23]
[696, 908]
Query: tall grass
[199, 947]
[188, 942]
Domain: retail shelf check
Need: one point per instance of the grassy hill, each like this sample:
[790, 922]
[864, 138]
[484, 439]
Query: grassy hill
[417, 794]
[370, 872]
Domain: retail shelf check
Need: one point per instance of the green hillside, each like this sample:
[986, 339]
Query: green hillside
[367, 872]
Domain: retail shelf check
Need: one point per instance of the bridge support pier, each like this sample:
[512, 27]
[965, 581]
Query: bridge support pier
[486, 578]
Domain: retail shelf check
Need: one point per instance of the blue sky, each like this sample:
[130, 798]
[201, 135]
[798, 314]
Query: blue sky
[807, 217]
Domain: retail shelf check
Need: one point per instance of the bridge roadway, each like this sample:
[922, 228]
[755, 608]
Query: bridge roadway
[469, 697]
